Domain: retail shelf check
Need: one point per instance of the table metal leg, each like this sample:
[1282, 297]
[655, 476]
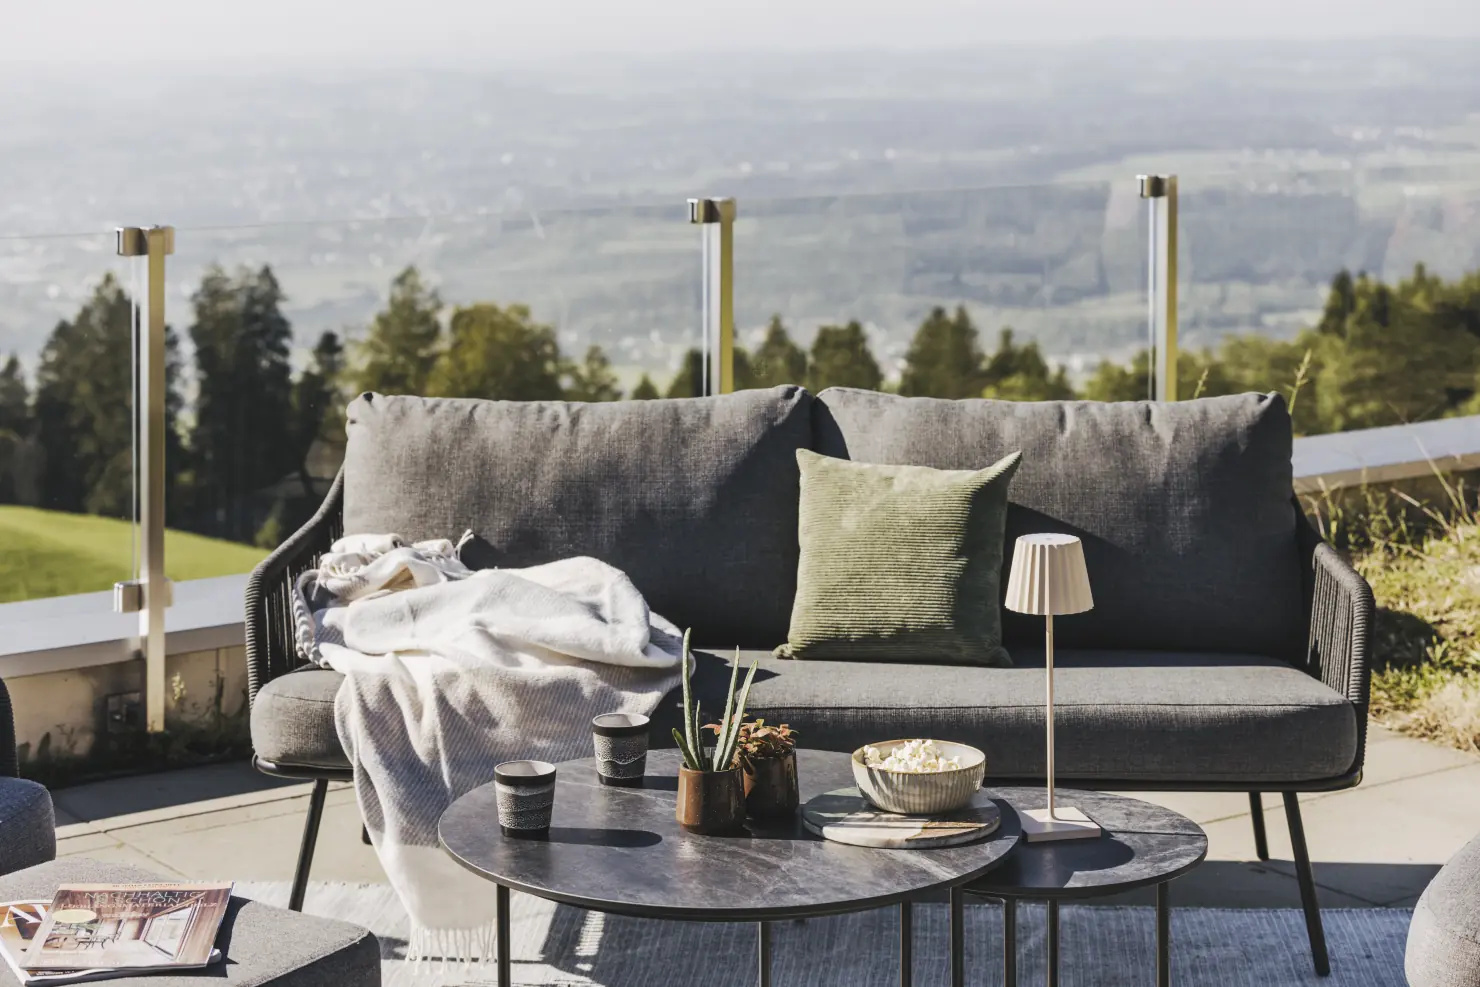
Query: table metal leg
[1164, 934]
[958, 938]
[1009, 942]
[763, 953]
[906, 944]
[501, 922]
[1053, 944]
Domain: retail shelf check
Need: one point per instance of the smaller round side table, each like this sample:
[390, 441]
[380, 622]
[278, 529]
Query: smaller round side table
[1142, 845]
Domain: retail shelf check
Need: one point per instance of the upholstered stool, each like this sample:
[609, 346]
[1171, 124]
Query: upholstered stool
[261, 944]
[1444, 938]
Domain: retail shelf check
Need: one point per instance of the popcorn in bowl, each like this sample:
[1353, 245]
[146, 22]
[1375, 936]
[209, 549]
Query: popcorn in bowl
[913, 757]
[918, 777]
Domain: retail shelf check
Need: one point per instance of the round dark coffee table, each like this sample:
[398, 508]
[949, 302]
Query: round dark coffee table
[620, 850]
[1142, 845]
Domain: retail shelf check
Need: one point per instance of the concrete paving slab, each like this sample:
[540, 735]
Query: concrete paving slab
[1394, 757]
[150, 825]
[133, 857]
[1417, 820]
[1201, 807]
[1233, 884]
[84, 842]
[1381, 884]
[265, 849]
[165, 790]
[63, 817]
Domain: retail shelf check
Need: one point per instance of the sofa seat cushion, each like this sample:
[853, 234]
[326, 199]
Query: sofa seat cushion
[263, 945]
[1185, 509]
[1444, 938]
[694, 499]
[1120, 716]
[293, 720]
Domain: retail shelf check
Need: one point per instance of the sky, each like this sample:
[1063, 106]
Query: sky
[106, 35]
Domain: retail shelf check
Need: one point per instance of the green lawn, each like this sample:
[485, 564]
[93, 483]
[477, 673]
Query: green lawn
[52, 553]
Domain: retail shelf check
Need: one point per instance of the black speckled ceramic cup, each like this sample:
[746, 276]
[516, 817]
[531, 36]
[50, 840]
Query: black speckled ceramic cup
[525, 793]
[621, 742]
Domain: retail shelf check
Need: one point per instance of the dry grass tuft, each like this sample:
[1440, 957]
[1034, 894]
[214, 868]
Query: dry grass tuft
[1426, 642]
[1449, 713]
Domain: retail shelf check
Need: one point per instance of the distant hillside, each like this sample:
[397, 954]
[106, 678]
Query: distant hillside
[52, 553]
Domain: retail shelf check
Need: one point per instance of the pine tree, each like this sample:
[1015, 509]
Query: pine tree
[244, 437]
[499, 353]
[688, 382]
[1113, 381]
[1340, 304]
[15, 399]
[777, 360]
[398, 354]
[19, 460]
[593, 379]
[645, 390]
[318, 412]
[1020, 373]
[84, 397]
[841, 358]
[944, 359]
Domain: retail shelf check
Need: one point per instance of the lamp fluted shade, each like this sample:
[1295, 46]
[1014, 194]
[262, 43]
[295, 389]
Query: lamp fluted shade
[1048, 576]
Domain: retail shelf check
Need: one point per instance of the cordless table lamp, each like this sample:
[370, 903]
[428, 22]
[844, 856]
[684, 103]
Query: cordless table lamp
[1049, 577]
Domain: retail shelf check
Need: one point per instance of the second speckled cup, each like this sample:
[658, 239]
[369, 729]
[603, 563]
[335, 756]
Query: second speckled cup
[621, 742]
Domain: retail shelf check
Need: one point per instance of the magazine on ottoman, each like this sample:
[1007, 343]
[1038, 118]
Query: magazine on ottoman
[92, 931]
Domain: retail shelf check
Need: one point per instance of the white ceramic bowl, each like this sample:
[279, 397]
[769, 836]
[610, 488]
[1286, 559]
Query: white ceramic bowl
[921, 793]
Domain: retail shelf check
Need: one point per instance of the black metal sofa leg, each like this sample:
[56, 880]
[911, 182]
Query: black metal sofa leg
[1307, 881]
[310, 838]
[1256, 811]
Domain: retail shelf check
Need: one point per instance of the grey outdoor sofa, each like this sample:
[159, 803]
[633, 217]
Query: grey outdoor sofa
[1226, 650]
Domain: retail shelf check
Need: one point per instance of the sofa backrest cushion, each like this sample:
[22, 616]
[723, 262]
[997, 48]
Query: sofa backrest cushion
[1185, 509]
[695, 499]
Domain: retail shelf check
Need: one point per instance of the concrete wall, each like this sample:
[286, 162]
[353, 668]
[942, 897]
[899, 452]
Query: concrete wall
[67, 710]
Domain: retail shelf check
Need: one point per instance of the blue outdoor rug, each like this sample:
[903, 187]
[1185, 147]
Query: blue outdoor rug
[1110, 946]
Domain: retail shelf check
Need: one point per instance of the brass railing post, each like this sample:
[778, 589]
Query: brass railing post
[149, 592]
[717, 217]
[1160, 191]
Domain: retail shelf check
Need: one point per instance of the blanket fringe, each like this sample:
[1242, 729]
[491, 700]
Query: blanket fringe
[451, 946]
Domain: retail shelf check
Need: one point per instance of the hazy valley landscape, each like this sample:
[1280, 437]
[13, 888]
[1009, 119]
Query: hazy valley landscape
[872, 186]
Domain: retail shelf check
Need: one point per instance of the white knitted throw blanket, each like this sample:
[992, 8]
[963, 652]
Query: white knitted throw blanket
[448, 672]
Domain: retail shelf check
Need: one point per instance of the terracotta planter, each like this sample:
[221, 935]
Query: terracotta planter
[771, 786]
[710, 801]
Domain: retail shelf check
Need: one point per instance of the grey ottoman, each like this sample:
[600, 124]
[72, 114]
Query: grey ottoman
[1444, 938]
[28, 827]
[262, 944]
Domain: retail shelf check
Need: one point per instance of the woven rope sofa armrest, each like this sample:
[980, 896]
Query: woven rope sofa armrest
[269, 610]
[1341, 610]
[9, 763]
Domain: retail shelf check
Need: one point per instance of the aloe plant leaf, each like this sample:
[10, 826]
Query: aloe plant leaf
[688, 755]
[730, 733]
[725, 727]
[740, 713]
[689, 719]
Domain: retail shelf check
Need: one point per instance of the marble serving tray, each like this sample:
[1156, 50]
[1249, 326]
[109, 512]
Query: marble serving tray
[845, 816]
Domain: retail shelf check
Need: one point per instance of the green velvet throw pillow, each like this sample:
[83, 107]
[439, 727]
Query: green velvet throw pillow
[900, 563]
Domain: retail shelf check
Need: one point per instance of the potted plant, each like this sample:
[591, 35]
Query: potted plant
[711, 791]
[768, 762]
